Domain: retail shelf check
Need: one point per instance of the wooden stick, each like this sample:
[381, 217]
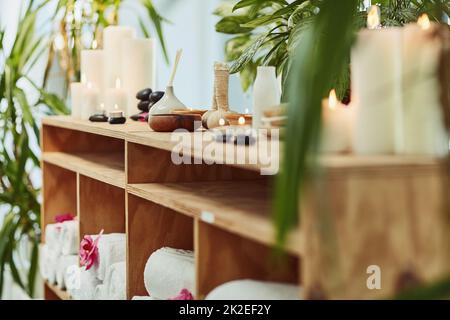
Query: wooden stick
[175, 67]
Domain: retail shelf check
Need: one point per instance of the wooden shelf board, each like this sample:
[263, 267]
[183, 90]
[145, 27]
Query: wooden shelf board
[62, 294]
[240, 207]
[105, 167]
[118, 131]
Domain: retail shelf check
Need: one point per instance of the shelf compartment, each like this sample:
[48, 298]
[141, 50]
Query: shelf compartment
[59, 193]
[101, 206]
[149, 228]
[222, 257]
[52, 292]
[106, 167]
[241, 207]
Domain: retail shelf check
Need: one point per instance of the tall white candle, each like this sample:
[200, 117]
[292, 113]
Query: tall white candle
[76, 97]
[116, 97]
[138, 68]
[113, 37]
[92, 68]
[91, 101]
[376, 89]
[424, 129]
[336, 125]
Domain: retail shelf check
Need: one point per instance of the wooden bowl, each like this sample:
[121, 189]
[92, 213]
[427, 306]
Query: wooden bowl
[172, 122]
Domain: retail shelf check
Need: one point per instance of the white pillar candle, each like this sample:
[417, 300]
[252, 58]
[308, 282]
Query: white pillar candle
[424, 129]
[336, 125]
[76, 97]
[92, 68]
[113, 37]
[138, 68]
[116, 97]
[376, 89]
[91, 101]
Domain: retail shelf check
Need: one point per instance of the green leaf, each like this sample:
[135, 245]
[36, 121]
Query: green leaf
[232, 25]
[33, 268]
[248, 54]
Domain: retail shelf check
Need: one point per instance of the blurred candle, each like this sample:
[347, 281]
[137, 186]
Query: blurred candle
[76, 97]
[336, 125]
[138, 69]
[92, 68]
[116, 97]
[376, 88]
[423, 46]
[90, 101]
[113, 37]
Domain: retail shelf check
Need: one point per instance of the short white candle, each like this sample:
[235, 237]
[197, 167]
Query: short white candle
[376, 89]
[138, 68]
[113, 37]
[116, 97]
[336, 125]
[91, 101]
[76, 97]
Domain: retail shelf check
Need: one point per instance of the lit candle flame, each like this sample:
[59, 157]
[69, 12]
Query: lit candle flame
[241, 120]
[332, 100]
[118, 84]
[424, 22]
[94, 44]
[373, 17]
[116, 107]
[102, 106]
[221, 122]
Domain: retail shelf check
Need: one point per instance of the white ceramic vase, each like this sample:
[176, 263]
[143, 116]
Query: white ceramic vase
[266, 93]
[167, 104]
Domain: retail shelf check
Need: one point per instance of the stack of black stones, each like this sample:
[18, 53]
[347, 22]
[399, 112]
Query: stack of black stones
[147, 99]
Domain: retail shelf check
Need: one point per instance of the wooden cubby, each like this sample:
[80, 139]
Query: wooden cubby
[121, 178]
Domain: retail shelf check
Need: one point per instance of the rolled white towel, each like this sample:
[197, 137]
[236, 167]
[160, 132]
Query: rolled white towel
[48, 260]
[255, 290]
[70, 237]
[168, 271]
[143, 298]
[83, 284]
[100, 292]
[111, 249]
[115, 281]
[53, 237]
[64, 262]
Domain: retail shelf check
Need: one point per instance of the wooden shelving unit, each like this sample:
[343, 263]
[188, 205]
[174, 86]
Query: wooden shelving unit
[121, 178]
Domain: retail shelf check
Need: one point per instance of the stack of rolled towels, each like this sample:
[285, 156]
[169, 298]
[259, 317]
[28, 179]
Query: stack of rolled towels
[105, 279]
[59, 252]
[169, 275]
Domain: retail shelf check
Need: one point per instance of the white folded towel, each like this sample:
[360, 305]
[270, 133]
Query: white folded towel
[70, 237]
[53, 237]
[143, 298]
[111, 249]
[168, 271]
[64, 262]
[255, 290]
[115, 281]
[83, 288]
[48, 260]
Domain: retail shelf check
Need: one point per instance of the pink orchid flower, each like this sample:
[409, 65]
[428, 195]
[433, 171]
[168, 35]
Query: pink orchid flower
[89, 251]
[64, 217]
[183, 295]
